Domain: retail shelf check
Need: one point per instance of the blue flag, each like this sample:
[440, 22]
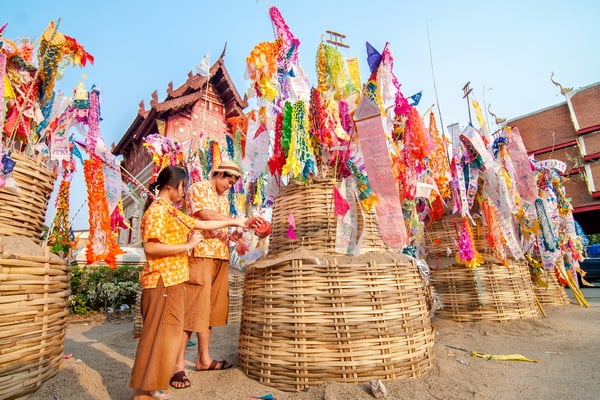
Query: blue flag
[415, 98]
[76, 151]
[373, 57]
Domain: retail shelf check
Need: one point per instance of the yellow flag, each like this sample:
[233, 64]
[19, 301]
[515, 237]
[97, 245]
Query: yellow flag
[503, 357]
[480, 117]
[354, 72]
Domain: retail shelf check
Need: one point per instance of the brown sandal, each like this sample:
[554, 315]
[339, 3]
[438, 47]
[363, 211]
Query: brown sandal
[217, 365]
[179, 380]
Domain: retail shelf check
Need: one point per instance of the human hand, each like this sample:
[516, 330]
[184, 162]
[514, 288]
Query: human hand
[253, 222]
[262, 227]
[194, 238]
[234, 235]
[241, 222]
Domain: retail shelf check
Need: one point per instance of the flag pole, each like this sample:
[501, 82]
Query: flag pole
[437, 100]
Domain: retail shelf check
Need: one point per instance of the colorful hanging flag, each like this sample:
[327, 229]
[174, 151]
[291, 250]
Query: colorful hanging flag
[340, 204]
[524, 177]
[204, 67]
[373, 143]
[348, 227]
[373, 57]
[291, 233]
[416, 98]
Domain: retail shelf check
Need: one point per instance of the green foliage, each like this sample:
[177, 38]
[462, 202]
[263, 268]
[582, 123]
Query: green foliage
[96, 288]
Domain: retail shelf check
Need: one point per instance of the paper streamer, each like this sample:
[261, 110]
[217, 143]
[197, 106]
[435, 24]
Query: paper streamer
[346, 238]
[524, 178]
[379, 170]
[495, 189]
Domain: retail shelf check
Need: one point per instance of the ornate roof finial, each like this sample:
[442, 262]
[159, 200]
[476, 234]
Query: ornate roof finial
[499, 121]
[563, 90]
[154, 100]
[223, 52]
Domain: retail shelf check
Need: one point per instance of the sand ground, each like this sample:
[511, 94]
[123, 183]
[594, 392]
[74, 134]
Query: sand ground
[99, 354]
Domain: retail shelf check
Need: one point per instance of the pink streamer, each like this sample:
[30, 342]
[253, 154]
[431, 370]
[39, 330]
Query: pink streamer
[291, 233]
[2, 103]
[289, 52]
[93, 122]
[340, 204]
[373, 142]
[524, 175]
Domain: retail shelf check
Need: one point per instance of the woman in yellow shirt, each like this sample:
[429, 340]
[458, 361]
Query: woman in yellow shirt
[166, 235]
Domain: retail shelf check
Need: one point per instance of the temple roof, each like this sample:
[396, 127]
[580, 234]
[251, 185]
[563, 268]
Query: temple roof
[183, 97]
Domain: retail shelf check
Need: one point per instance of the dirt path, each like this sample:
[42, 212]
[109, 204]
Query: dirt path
[99, 356]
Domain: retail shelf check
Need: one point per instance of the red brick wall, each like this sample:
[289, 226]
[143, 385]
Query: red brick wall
[594, 168]
[591, 142]
[577, 190]
[548, 128]
[586, 104]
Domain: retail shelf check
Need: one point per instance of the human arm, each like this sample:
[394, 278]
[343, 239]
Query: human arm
[208, 215]
[154, 248]
[217, 224]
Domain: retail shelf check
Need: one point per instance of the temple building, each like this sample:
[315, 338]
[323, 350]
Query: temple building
[570, 132]
[199, 107]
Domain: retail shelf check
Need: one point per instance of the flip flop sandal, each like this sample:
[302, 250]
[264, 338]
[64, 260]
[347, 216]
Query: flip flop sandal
[179, 380]
[217, 365]
[161, 395]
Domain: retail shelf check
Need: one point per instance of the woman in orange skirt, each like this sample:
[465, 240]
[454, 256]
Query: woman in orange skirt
[166, 235]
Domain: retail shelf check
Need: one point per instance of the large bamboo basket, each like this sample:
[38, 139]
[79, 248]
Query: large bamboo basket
[34, 290]
[442, 236]
[236, 297]
[552, 293]
[312, 207]
[137, 312]
[491, 292]
[346, 319]
[23, 212]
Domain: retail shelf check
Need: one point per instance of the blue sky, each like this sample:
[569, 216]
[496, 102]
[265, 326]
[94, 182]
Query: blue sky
[506, 49]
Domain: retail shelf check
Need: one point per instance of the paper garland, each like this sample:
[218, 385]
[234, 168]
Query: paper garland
[102, 245]
[59, 239]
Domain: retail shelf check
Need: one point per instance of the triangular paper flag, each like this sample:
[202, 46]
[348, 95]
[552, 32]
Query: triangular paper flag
[373, 57]
[340, 204]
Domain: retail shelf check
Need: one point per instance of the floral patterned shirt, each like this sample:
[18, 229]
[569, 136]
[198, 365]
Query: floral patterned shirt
[168, 225]
[203, 196]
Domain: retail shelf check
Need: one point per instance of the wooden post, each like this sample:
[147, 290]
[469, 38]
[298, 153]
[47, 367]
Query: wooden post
[466, 92]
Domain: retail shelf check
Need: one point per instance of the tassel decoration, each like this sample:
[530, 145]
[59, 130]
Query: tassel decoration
[467, 254]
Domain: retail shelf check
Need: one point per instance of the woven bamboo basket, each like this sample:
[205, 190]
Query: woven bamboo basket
[552, 292]
[137, 312]
[34, 290]
[236, 297]
[491, 292]
[346, 319]
[312, 207]
[442, 236]
[23, 212]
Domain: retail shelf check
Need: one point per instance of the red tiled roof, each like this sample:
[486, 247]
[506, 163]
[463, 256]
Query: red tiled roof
[185, 95]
